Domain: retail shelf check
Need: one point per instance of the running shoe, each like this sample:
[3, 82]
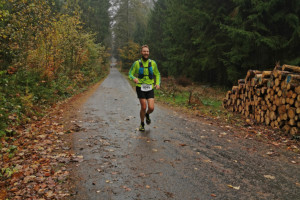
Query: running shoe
[148, 120]
[142, 127]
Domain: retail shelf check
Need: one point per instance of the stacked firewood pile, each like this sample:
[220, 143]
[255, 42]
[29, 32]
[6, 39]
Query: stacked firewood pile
[270, 97]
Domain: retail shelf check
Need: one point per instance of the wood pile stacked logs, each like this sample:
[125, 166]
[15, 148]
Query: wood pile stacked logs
[270, 97]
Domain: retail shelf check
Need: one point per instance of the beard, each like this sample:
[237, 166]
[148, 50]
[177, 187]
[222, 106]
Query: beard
[145, 59]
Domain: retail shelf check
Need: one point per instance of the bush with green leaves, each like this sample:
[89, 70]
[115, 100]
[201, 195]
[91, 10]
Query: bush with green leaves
[44, 57]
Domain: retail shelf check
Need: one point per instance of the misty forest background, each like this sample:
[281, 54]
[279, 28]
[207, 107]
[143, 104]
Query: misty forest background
[51, 50]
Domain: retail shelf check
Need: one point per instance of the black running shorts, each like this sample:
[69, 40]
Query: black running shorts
[144, 95]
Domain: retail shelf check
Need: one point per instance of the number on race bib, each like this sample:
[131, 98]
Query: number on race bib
[146, 87]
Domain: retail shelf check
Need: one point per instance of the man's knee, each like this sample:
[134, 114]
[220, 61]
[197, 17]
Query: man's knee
[150, 109]
[143, 104]
[143, 107]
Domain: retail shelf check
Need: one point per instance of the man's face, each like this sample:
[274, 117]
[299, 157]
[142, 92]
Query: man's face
[145, 53]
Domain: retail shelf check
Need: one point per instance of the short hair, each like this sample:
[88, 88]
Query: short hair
[144, 46]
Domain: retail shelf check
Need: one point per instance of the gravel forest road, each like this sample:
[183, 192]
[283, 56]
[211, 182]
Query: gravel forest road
[177, 157]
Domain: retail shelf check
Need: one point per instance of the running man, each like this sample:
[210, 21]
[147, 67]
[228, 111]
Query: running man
[146, 70]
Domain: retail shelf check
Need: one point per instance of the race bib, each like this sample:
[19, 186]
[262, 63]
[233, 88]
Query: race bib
[146, 87]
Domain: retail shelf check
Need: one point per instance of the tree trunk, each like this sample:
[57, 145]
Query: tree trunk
[291, 68]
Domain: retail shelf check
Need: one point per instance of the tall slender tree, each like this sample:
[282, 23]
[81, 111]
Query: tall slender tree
[130, 23]
[96, 18]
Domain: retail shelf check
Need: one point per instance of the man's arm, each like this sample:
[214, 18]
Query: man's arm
[157, 76]
[132, 72]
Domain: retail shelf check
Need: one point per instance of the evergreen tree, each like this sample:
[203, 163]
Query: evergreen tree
[96, 17]
[217, 41]
[262, 33]
[155, 34]
[130, 24]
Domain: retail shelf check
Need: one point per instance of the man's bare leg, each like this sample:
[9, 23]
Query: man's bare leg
[150, 105]
[143, 109]
[149, 110]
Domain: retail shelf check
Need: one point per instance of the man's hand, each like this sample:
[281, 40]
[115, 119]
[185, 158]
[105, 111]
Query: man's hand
[136, 80]
[157, 87]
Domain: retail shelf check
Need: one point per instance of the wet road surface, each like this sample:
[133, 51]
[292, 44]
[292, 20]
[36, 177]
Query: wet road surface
[175, 158]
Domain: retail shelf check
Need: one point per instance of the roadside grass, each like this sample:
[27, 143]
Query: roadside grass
[202, 99]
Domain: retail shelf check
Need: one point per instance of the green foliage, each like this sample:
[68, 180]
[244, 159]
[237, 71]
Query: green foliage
[7, 172]
[130, 23]
[211, 102]
[2, 134]
[44, 57]
[216, 42]
[155, 35]
[95, 16]
[206, 100]
[129, 54]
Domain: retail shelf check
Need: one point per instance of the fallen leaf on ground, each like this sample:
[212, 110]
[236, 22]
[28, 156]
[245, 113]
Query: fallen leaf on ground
[213, 195]
[142, 175]
[126, 188]
[269, 177]
[169, 194]
[3, 194]
[76, 158]
[217, 147]
[275, 143]
[49, 194]
[272, 153]
[234, 187]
